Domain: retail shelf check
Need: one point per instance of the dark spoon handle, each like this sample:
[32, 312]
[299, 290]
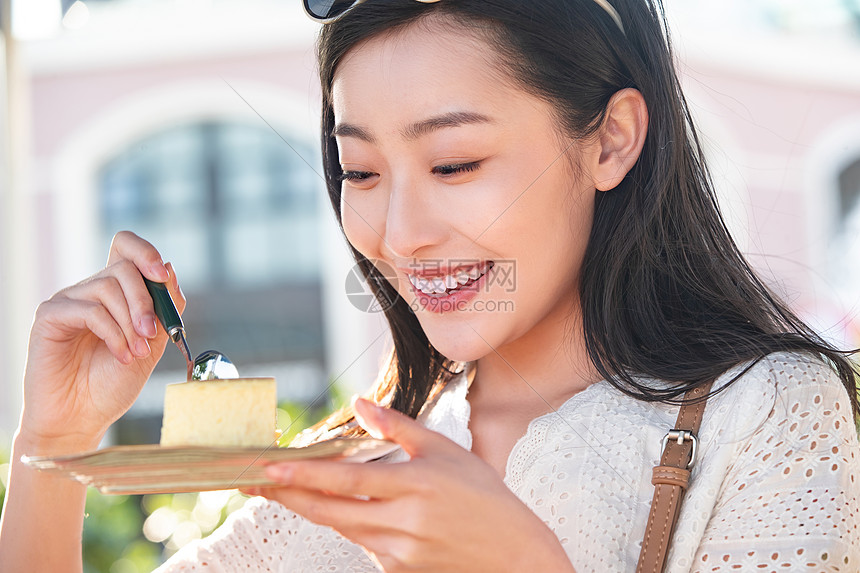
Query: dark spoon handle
[165, 310]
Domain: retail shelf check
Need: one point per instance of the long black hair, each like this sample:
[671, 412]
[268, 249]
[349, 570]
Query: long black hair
[664, 290]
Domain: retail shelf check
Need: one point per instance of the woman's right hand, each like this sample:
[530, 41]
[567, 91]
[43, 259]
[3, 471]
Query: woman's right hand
[92, 347]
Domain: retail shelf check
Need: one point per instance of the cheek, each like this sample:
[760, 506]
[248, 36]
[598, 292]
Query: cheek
[544, 214]
[359, 226]
[546, 231]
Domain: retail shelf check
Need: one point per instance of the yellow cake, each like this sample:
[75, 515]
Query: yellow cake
[235, 412]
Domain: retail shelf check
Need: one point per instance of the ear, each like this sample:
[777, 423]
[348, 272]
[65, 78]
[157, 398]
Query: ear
[620, 138]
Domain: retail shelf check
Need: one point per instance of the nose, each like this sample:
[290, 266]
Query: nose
[412, 222]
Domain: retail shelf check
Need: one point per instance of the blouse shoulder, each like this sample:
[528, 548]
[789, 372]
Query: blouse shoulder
[784, 389]
[783, 438]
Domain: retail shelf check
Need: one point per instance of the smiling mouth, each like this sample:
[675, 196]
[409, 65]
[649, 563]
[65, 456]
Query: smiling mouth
[450, 283]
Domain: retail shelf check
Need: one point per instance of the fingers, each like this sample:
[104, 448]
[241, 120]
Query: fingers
[173, 287]
[117, 295]
[71, 315]
[353, 518]
[388, 424]
[130, 257]
[374, 481]
[120, 291]
[128, 246]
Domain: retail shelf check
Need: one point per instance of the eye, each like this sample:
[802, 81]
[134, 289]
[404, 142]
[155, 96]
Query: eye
[356, 176]
[456, 168]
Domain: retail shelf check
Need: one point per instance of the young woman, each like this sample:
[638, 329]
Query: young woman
[523, 180]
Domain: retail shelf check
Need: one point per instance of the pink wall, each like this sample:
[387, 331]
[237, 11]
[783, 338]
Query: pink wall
[61, 103]
[774, 125]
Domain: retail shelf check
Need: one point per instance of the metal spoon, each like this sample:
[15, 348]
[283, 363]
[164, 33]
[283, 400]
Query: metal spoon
[212, 365]
[209, 364]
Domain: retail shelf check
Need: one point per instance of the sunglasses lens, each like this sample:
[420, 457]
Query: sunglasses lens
[326, 9]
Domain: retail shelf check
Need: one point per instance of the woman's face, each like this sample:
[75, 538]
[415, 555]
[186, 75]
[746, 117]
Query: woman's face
[461, 188]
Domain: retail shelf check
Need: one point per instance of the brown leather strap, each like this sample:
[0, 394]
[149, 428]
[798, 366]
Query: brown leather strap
[670, 480]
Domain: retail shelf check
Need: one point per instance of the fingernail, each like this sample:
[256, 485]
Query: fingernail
[280, 473]
[160, 271]
[366, 423]
[141, 347]
[356, 398]
[148, 327]
[127, 357]
[367, 405]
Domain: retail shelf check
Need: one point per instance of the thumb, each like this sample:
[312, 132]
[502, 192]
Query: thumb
[394, 426]
[175, 291]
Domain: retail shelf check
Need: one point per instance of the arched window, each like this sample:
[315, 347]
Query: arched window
[847, 231]
[849, 195]
[844, 249]
[235, 209]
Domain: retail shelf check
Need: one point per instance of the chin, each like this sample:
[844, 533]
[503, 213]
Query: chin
[461, 343]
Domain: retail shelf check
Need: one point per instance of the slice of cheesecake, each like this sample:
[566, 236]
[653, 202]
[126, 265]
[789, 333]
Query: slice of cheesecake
[235, 412]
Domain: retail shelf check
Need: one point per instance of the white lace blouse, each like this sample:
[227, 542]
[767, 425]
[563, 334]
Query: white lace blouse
[776, 486]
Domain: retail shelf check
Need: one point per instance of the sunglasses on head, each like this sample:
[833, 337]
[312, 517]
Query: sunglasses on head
[325, 11]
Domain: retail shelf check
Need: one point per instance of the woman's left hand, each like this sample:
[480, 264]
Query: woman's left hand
[444, 510]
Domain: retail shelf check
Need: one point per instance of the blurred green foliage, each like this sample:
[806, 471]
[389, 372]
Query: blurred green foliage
[5, 448]
[135, 534]
[294, 417]
[112, 541]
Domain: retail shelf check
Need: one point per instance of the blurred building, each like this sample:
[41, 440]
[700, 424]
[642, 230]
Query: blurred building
[774, 86]
[194, 123]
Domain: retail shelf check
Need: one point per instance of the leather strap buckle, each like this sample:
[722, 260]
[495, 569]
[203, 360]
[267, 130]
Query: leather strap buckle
[681, 436]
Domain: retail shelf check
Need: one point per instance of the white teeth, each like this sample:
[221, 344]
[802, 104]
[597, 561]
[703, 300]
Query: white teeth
[426, 286]
[440, 285]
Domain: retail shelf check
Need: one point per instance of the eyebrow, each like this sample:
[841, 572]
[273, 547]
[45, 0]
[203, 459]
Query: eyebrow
[416, 130]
